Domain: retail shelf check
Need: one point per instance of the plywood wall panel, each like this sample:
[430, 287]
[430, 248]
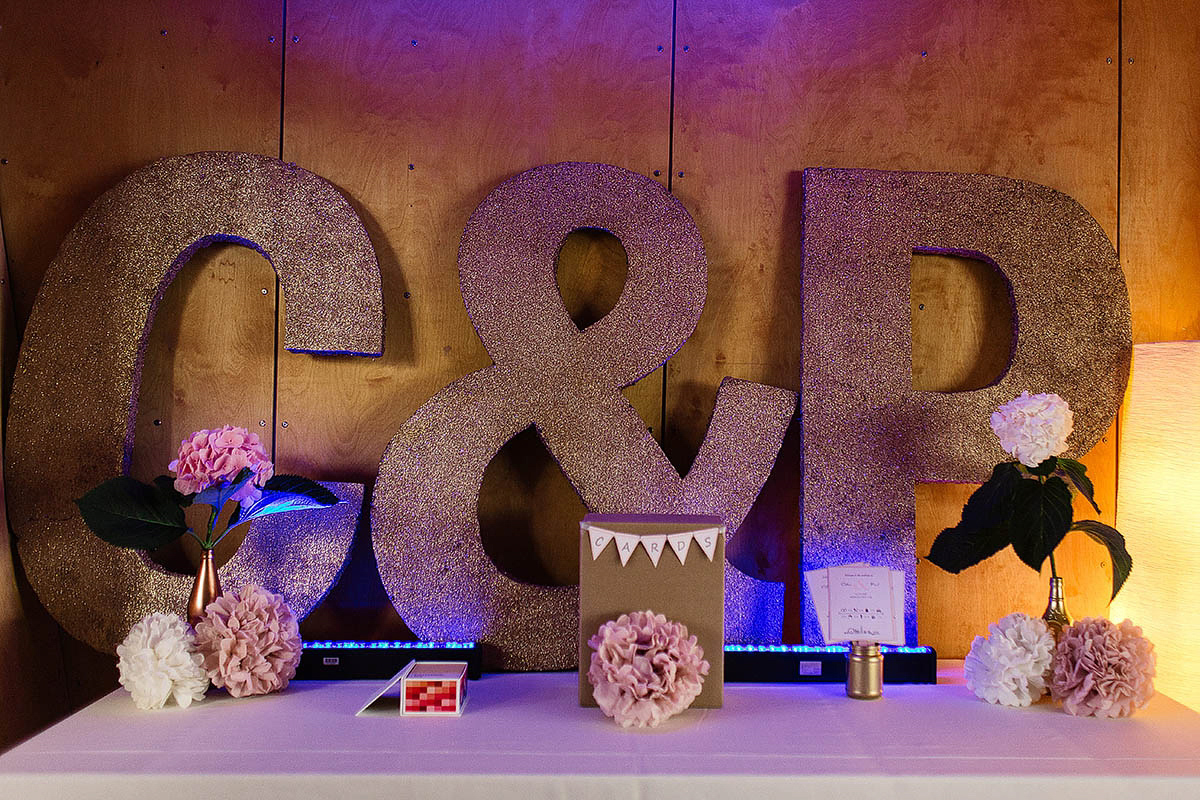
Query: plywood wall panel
[210, 361]
[1160, 167]
[762, 91]
[31, 668]
[92, 91]
[416, 111]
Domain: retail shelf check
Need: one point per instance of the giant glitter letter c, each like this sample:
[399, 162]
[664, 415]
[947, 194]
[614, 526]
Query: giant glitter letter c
[76, 387]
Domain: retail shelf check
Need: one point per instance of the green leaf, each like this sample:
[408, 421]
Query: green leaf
[1122, 562]
[988, 505]
[128, 513]
[983, 531]
[298, 485]
[1077, 473]
[166, 485]
[957, 548]
[1041, 515]
[289, 493]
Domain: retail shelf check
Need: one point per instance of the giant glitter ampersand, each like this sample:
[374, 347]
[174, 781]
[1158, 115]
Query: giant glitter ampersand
[566, 382]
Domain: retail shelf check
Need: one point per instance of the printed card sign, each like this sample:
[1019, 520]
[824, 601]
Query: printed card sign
[858, 603]
[624, 567]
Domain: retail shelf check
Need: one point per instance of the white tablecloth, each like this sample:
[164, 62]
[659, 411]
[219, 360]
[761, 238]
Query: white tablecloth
[525, 737]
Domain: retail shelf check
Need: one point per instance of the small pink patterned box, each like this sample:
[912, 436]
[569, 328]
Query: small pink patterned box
[436, 688]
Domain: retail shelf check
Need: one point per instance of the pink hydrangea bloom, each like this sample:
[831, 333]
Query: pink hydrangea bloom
[1102, 669]
[250, 641]
[208, 458]
[645, 669]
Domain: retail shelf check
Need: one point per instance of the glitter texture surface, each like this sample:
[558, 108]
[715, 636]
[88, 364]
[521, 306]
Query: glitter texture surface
[76, 385]
[567, 382]
[868, 436]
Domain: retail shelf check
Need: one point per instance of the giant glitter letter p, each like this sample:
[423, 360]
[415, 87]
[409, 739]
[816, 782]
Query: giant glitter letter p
[868, 436]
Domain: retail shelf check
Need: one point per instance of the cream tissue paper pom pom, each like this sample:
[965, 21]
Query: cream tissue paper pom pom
[1010, 666]
[158, 661]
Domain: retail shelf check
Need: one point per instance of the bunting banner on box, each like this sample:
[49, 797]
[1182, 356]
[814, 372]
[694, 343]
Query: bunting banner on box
[654, 544]
[680, 542]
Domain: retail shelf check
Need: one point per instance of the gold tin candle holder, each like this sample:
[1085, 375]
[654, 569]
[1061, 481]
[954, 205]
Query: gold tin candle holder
[864, 671]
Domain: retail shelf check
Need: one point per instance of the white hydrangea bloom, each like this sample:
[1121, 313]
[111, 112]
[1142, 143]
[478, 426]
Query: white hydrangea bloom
[158, 661]
[1010, 666]
[1033, 427]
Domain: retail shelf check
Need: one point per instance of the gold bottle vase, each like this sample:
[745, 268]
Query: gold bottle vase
[206, 588]
[1057, 617]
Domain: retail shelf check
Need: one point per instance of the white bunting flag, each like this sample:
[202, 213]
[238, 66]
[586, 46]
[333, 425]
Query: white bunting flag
[600, 539]
[680, 543]
[707, 539]
[654, 545]
[626, 544]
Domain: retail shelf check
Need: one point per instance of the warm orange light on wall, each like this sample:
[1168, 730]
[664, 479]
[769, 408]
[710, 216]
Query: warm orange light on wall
[1158, 510]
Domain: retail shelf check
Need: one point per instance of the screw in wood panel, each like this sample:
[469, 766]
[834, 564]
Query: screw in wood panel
[687, 47]
[680, 175]
[295, 40]
[412, 166]
[157, 422]
[162, 32]
[920, 306]
[264, 290]
[1131, 59]
[660, 48]
[1108, 60]
[657, 172]
[271, 39]
[924, 53]
[284, 423]
[262, 423]
[3, 160]
[407, 295]
[414, 42]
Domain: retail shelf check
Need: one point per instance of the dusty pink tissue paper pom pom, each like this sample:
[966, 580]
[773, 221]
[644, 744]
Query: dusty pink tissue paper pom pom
[645, 669]
[250, 641]
[1102, 669]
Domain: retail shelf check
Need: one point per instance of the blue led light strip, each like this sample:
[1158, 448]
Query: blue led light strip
[389, 645]
[799, 649]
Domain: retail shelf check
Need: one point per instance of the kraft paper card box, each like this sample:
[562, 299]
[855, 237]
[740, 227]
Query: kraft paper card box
[671, 564]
